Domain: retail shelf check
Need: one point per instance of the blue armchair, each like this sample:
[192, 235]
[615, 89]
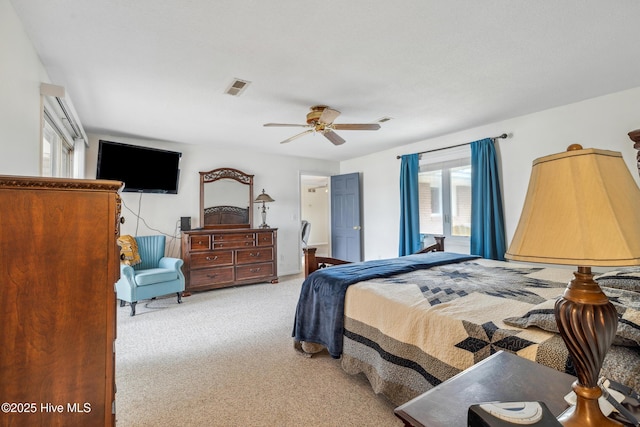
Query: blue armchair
[154, 276]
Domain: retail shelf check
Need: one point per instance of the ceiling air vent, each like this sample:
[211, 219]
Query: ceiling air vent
[236, 87]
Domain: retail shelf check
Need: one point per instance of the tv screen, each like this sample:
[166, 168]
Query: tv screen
[142, 169]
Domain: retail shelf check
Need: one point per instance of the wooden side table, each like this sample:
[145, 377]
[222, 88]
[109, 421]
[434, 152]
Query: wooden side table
[500, 377]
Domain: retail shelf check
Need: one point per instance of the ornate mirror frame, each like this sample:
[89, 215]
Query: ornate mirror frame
[231, 216]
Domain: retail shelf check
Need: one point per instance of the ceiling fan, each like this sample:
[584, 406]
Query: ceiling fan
[320, 119]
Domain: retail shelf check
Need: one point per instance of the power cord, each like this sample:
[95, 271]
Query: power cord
[173, 238]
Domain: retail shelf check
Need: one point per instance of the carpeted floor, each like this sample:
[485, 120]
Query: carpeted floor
[226, 358]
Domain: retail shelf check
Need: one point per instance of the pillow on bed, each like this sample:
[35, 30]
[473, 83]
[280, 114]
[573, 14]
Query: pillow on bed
[629, 328]
[624, 278]
[542, 316]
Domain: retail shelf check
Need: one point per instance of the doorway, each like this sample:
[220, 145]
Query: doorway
[315, 208]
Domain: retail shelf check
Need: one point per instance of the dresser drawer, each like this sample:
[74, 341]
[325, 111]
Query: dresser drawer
[233, 237]
[200, 243]
[254, 271]
[211, 259]
[264, 239]
[211, 275]
[257, 254]
[231, 244]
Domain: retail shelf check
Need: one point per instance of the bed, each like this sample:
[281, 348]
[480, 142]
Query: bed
[412, 322]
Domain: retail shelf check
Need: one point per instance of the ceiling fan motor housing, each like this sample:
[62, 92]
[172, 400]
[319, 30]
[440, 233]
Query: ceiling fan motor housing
[314, 115]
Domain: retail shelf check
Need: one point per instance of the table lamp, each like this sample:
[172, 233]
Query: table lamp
[264, 198]
[582, 208]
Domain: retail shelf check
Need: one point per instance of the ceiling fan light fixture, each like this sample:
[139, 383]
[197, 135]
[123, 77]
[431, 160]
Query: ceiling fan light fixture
[320, 119]
[313, 116]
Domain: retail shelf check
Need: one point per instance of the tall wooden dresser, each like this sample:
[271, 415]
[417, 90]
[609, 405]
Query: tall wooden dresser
[218, 258]
[58, 265]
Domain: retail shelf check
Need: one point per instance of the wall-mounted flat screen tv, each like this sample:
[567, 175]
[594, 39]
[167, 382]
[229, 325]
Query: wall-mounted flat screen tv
[142, 169]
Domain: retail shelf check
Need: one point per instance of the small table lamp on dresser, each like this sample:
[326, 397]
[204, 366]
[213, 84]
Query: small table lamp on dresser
[582, 208]
[264, 198]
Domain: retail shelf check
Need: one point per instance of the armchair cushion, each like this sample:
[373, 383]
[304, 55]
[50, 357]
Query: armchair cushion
[155, 275]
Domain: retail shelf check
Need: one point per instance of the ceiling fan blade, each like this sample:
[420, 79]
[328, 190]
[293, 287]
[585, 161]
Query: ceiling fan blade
[333, 137]
[363, 126]
[328, 115]
[296, 136]
[285, 125]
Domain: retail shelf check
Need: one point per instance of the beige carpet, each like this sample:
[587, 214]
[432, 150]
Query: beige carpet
[226, 358]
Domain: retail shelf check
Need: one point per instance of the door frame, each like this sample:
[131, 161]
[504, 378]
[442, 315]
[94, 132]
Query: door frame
[301, 182]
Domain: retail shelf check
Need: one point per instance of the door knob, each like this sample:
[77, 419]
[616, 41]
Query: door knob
[357, 227]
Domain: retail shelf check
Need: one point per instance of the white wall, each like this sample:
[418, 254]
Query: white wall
[278, 175]
[21, 73]
[596, 123]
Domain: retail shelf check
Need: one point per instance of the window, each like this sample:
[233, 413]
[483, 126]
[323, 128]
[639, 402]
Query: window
[444, 183]
[64, 141]
[57, 151]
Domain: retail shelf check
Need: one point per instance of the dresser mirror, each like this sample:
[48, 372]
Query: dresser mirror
[226, 199]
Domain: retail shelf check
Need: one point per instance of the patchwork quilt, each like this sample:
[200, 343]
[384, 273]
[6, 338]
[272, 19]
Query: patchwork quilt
[320, 309]
[409, 332]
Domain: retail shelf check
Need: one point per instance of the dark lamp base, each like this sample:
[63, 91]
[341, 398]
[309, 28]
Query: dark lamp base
[587, 323]
[587, 410]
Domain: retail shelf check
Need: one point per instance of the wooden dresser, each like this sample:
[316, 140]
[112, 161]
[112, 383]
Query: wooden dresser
[219, 258]
[58, 268]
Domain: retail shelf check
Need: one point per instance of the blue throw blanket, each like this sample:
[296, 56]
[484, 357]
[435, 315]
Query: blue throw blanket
[320, 311]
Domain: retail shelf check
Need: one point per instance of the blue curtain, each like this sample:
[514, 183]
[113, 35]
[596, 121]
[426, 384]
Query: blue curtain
[409, 205]
[487, 221]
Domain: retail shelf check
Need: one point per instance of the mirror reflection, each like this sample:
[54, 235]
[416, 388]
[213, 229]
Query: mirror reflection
[226, 199]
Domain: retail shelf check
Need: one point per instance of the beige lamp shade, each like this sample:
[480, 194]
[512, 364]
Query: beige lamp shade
[264, 197]
[582, 208]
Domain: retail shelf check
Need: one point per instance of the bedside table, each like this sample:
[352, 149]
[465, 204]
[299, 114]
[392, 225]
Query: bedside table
[500, 377]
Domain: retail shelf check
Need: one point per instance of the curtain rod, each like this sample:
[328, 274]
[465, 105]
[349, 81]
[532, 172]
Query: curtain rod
[503, 136]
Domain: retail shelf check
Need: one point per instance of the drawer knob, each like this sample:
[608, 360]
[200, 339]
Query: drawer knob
[211, 259]
[254, 255]
[255, 270]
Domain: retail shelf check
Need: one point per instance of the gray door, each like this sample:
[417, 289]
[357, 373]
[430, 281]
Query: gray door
[345, 217]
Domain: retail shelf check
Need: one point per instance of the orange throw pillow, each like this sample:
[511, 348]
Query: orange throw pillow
[128, 250]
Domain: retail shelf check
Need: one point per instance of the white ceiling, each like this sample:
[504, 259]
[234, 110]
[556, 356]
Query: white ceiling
[158, 69]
